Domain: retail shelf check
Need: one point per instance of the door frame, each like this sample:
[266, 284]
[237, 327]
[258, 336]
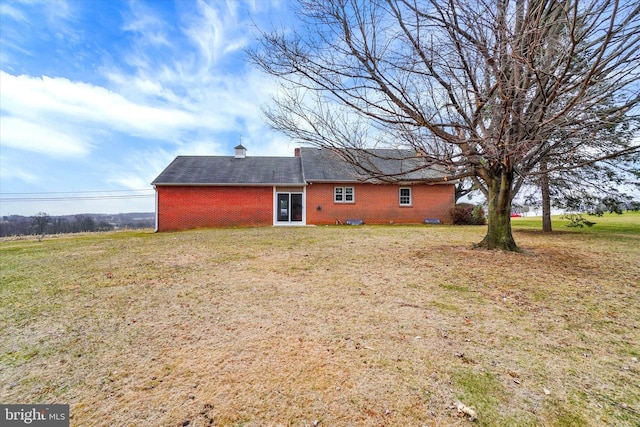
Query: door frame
[290, 190]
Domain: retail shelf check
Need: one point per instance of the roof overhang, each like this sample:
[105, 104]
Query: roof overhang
[379, 182]
[277, 184]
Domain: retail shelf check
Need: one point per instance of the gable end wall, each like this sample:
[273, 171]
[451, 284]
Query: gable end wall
[184, 207]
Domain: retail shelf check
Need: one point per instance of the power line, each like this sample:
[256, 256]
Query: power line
[68, 196]
[78, 192]
[68, 199]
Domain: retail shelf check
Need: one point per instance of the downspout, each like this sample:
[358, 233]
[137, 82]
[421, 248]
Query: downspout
[274, 207]
[304, 204]
[156, 202]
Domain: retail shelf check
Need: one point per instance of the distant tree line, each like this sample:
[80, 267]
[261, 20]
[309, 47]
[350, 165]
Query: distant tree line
[584, 202]
[43, 224]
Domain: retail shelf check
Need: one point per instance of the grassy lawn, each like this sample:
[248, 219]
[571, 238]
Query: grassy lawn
[628, 223]
[362, 326]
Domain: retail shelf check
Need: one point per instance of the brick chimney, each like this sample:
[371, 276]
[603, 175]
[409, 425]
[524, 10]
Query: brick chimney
[296, 151]
[241, 152]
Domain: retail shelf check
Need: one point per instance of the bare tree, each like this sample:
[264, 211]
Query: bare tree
[477, 87]
[40, 224]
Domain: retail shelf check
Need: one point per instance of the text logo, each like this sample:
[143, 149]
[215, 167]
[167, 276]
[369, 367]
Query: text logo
[34, 415]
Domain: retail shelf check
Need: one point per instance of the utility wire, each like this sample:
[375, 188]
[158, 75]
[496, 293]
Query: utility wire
[63, 199]
[62, 196]
[80, 191]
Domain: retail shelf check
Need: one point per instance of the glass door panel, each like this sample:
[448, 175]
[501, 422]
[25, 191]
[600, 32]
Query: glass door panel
[296, 207]
[283, 207]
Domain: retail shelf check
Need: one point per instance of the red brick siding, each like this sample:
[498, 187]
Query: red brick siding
[182, 207]
[379, 204]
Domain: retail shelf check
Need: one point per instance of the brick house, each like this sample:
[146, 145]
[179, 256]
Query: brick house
[316, 186]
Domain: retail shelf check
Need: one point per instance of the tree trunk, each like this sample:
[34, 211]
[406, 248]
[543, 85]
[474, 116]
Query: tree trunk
[546, 199]
[499, 234]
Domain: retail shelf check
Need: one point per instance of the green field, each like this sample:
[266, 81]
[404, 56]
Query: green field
[628, 222]
[328, 326]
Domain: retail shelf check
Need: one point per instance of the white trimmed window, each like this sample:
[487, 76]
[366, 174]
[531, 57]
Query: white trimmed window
[343, 195]
[405, 196]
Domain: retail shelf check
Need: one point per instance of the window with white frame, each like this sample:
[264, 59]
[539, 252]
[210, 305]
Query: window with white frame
[343, 195]
[405, 196]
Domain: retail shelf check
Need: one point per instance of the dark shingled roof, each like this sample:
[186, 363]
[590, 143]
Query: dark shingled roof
[313, 165]
[227, 170]
[380, 164]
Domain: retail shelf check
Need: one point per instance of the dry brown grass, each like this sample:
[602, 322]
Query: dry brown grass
[362, 326]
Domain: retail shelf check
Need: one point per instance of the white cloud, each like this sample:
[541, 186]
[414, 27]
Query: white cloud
[9, 171]
[146, 25]
[36, 137]
[217, 31]
[11, 12]
[56, 116]
[61, 118]
[54, 11]
[205, 74]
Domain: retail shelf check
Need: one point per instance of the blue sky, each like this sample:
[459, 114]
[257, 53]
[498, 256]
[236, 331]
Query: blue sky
[98, 96]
